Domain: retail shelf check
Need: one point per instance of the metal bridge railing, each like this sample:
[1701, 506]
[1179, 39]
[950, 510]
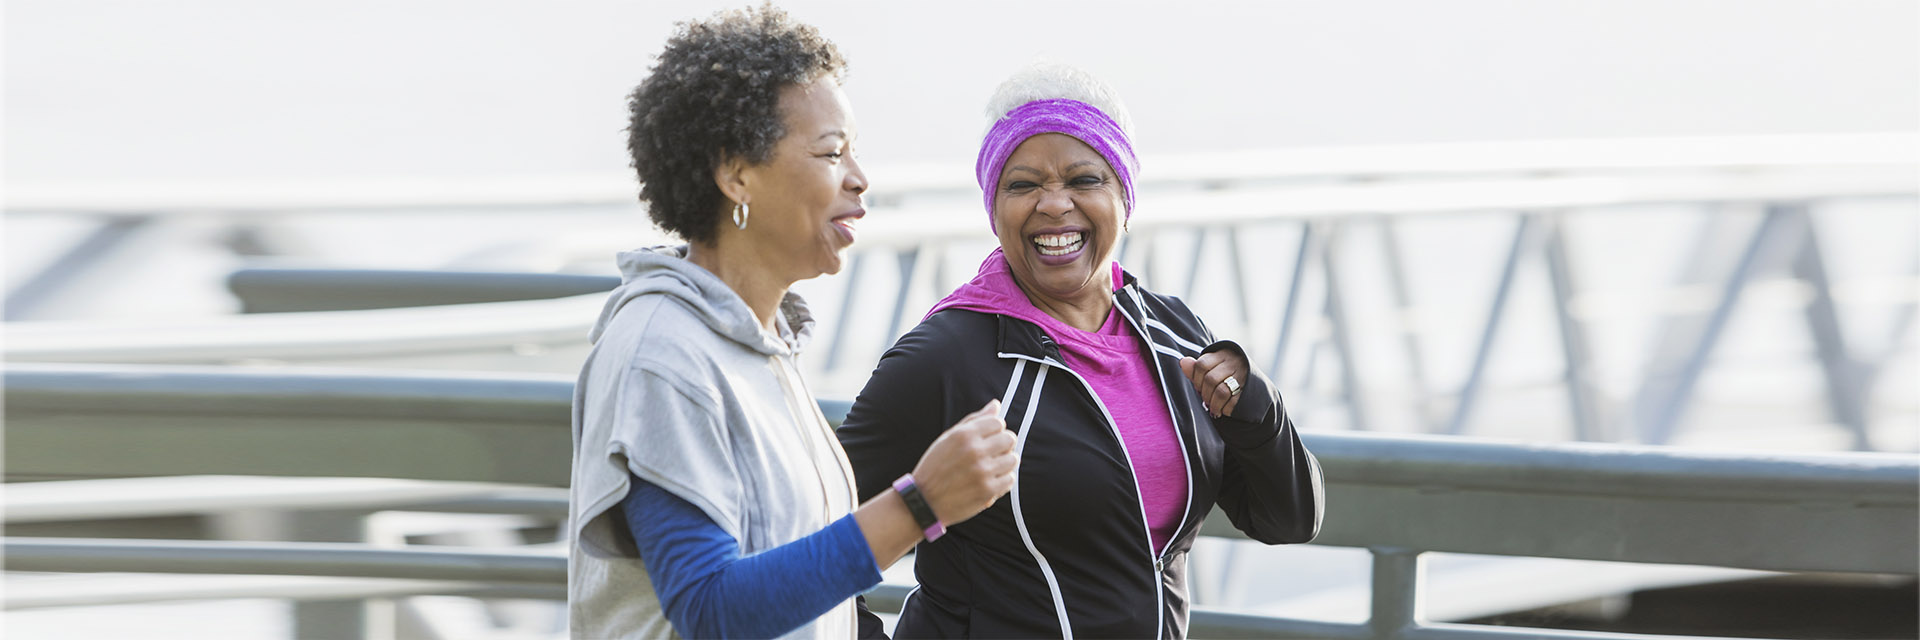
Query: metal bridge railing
[1397, 496]
[1760, 231]
[1264, 243]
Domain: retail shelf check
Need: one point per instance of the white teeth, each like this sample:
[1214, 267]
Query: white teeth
[1058, 244]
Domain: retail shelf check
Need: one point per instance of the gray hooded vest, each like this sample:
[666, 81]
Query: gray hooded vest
[685, 390]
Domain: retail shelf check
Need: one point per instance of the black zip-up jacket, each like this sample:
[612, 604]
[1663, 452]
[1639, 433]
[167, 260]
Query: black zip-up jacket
[1067, 553]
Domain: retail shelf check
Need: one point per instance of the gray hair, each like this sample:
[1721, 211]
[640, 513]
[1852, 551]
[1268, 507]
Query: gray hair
[1052, 80]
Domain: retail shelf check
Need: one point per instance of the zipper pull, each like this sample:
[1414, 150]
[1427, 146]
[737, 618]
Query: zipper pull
[1159, 565]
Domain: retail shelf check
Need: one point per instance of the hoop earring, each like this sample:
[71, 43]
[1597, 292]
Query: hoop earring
[740, 213]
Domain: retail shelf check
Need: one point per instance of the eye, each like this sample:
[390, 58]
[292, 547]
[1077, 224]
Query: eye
[1021, 186]
[836, 155]
[1087, 182]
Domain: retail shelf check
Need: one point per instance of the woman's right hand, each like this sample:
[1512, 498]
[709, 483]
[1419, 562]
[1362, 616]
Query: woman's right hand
[969, 466]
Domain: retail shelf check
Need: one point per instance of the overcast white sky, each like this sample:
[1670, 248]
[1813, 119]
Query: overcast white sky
[239, 89]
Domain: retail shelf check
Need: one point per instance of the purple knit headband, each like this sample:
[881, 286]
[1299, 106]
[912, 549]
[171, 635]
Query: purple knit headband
[1072, 117]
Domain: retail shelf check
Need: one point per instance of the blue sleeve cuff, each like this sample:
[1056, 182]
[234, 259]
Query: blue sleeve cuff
[850, 547]
[709, 590]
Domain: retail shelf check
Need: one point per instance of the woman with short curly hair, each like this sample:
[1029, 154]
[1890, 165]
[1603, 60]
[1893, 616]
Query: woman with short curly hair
[709, 497]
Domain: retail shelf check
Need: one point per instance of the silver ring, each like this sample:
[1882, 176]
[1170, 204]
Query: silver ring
[1233, 386]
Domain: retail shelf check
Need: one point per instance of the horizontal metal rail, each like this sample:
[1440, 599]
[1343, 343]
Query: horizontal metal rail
[1374, 162]
[168, 496]
[424, 572]
[508, 566]
[284, 558]
[119, 588]
[184, 420]
[281, 290]
[488, 330]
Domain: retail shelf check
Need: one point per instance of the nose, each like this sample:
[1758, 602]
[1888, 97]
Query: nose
[1054, 201]
[856, 180]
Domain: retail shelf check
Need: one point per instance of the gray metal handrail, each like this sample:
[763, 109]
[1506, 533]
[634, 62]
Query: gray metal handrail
[283, 558]
[171, 496]
[1630, 471]
[188, 420]
[1372, 162]
[120, 588]
[1398, 496]
[285, 289]
[510, 566]
[483, 332]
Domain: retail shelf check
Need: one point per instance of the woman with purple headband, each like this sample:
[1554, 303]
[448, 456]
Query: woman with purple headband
[1132, 420]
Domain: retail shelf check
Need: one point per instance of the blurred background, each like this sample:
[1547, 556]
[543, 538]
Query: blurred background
[1686, 224]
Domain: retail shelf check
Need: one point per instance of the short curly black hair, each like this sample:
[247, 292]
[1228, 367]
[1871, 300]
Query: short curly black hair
[714, 94]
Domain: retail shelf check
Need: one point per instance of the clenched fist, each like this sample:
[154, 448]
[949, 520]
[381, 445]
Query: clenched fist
[1210, 375]
[969, 466]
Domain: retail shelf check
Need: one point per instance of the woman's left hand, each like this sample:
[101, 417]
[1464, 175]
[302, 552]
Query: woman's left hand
[1210, 374]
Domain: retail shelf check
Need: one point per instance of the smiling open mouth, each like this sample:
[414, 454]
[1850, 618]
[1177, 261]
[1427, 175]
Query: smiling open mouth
[1058, 244]
[846, 224]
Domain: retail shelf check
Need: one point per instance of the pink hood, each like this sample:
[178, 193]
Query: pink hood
[993, 290]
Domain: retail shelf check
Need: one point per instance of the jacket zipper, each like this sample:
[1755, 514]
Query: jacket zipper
[1160, 376]
[1019, 515]
[1159, 597]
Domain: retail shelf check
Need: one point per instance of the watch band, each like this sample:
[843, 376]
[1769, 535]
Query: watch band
[930, 525]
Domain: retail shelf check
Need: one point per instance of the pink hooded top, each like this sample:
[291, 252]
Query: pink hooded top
[1114, 362]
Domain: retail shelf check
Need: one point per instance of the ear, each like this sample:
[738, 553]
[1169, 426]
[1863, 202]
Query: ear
[730, 174]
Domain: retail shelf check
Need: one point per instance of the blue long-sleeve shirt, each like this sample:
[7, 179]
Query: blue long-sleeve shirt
[708, 590]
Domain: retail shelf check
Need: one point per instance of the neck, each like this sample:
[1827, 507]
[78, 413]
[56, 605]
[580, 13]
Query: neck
[1086, 312]
[746, 275]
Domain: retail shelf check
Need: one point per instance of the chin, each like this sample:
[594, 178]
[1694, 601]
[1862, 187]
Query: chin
[1066, 278]
[833, 264]
[1076, 270]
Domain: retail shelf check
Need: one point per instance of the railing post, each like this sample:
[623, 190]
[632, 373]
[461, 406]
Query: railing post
[1846, 396]
[1409, 333]
[845, 320]
[1582, 399]
[1242, 293]
[1302, 258]
[1341, 332]
[1194, 257]
[1667, 387]
[1902, 323]
[58, 277]
[366, 619]
[1397, 574]
[1523, 241]
[909, 259]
